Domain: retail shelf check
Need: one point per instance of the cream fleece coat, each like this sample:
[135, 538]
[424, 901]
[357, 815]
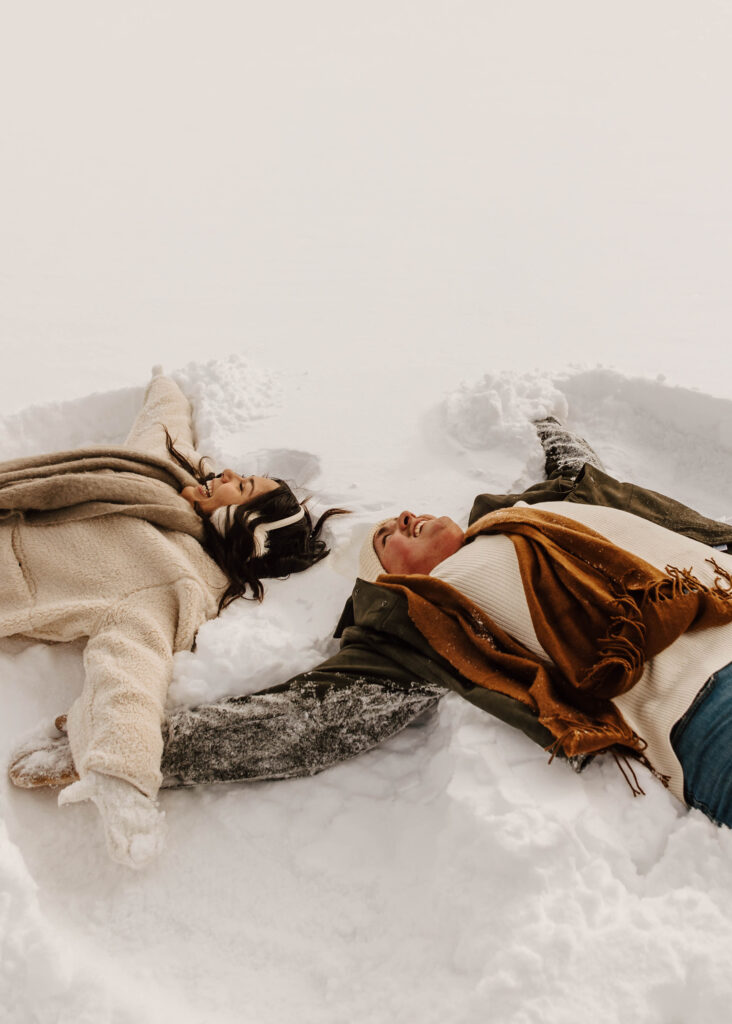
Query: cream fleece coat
[94, 564]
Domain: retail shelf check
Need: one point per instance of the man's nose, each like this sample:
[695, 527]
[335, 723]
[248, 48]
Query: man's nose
[405, 519]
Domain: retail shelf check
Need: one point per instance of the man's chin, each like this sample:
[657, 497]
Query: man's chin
[448, 527]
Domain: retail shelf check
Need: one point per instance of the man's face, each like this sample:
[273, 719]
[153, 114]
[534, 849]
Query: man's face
[416, 544]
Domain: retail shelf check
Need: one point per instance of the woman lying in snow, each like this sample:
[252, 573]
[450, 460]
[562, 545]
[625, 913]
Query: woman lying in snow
[589, 641]
[135, 547]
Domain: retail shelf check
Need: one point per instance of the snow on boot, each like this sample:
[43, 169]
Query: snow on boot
[42, 760]
[566, 452]
[134, 828]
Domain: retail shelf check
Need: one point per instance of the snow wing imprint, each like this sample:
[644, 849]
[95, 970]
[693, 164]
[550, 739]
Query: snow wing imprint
[226, 395]
[501, 406]
[101, 418]
[299, 468]
[495, 414]
[677, 441]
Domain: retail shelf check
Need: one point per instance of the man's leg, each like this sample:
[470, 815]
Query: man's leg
[566, 452]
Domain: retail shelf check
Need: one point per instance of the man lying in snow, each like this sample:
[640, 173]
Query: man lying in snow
[601, 624]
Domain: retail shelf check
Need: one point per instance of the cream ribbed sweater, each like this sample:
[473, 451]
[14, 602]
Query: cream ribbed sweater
[136, 591]
[487, 572]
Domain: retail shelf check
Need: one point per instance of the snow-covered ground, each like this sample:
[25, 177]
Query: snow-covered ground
[451, 875]
[372, 241]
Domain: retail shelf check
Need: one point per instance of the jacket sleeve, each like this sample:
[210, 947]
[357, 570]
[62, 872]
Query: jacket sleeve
[165, 405]
[115, 725]
[344, 707]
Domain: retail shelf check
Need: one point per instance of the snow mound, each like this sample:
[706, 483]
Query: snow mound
[228, 395]
[502, 406]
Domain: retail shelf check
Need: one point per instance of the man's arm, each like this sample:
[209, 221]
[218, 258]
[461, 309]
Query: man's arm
[344, 707]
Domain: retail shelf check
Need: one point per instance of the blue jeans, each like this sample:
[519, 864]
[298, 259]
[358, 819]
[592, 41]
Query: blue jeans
[702, 741]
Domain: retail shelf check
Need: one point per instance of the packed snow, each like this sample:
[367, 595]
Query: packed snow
[450, 875]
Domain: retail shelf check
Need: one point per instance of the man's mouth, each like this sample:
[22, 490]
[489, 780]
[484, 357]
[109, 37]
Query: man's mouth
[418, 527]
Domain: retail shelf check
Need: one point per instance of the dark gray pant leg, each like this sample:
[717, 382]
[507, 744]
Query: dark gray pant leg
[287, 732]
[566, 452]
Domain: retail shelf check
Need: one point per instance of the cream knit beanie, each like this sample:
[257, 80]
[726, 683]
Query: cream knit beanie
[369, 566]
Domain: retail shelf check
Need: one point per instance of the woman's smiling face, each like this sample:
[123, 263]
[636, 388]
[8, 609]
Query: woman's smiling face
[227, 489]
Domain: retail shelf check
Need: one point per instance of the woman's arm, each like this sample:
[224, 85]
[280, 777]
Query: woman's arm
[114, 725]
[165, 405]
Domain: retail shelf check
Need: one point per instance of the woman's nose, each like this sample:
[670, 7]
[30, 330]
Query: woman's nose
[227, 475]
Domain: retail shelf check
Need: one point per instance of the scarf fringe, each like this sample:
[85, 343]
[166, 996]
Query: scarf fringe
[725, 592]
[622, 760]
[684, 582]
[608, 736]
[628, 773]
[623, 645]
[624, 642]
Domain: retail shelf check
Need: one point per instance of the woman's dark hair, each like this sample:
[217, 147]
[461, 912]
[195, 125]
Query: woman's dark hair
[290, 549]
